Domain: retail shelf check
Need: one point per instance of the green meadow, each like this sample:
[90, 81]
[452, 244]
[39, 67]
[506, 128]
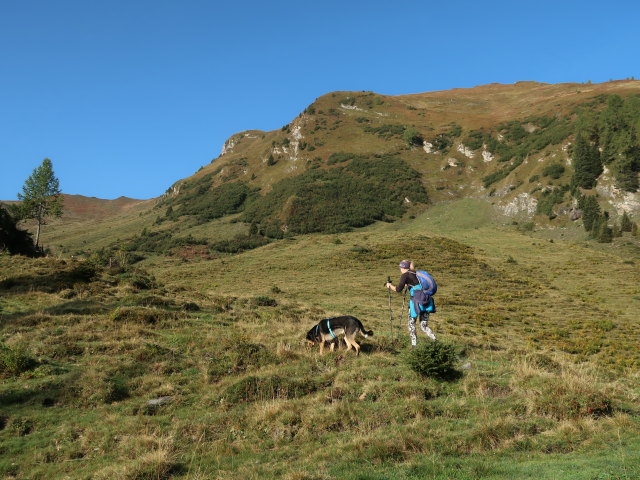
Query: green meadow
[195, 366]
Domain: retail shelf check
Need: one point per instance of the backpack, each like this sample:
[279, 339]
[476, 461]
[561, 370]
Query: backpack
[427, 282]
[421, 294]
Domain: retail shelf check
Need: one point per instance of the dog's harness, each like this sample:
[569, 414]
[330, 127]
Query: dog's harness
[333, 335]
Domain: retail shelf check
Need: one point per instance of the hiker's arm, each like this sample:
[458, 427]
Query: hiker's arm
[401, 283]
[390, 286]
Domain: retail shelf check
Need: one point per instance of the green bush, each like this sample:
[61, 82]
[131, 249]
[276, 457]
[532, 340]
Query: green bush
[15, 360]
[548, 200]
[340, 157]
[412, 137]
[207, 203]
[386, 131]
[240, 243]
[338, 199]
[554, 170]
[433, 359]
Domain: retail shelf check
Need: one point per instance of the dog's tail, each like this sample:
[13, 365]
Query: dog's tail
[363, 331]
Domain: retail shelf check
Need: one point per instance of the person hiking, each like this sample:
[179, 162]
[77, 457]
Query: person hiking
[409, 280]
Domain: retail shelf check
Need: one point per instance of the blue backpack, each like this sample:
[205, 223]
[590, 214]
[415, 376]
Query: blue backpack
[422, 295]
[427, 282]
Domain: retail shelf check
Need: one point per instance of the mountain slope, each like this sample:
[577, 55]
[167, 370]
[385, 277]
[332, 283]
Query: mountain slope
[510, 145]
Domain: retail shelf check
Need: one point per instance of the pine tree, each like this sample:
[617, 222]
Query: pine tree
[586, 163]
[41, 196]
[604, 233]
[590, 210]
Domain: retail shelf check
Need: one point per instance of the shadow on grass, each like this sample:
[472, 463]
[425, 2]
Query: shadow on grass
[50, 282]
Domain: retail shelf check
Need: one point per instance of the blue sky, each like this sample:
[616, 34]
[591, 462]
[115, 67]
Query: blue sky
[126, 98]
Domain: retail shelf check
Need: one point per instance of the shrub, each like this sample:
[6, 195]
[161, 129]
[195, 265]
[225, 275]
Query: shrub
[554, 170]
[336, 200]
[386, 131]
[263, 301]
[15, 360]
[433, 359]
[142, 315]
[412, 137]
[240, 243]
[340, 157]
[207, 203]
[548, 200]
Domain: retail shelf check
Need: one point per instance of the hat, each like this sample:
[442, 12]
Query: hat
[404, 264]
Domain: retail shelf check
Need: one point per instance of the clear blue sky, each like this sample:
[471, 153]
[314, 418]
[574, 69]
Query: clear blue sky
[126, 97]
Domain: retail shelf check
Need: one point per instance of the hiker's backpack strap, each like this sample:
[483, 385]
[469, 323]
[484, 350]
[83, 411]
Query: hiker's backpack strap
[333, 335]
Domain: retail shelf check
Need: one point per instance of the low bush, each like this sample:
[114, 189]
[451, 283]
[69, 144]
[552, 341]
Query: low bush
[15, 360]
[240, 243]
[554, 170]
[142, 315]
[434, 359]
[337, 200]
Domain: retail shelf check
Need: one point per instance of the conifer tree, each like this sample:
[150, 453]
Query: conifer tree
[605, 233]
[590, 211]
[41, 196]
[586, 163]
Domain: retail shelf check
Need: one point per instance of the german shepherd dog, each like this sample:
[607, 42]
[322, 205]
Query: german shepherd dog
[330, 328]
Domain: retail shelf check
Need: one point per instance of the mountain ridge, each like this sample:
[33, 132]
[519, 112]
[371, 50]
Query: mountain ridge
[494, 142]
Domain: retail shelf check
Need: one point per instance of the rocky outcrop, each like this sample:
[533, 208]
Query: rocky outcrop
[466, 151]
[523, 203]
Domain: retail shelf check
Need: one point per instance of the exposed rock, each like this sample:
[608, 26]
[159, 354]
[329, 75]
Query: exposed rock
[351, 107]
[228, 146]
[575, 214]
[523, 203]
[428, 147]
[487, 156]
[467, 152]
[620, 200]
[156, 402]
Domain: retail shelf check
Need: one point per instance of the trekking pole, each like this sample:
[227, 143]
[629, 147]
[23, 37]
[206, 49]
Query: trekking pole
[390, 312]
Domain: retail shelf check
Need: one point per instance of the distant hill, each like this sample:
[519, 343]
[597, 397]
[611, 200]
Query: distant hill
[78, 208]
[353, 158]
[511, 144]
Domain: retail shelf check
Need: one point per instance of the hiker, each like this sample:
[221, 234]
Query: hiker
[409, 280]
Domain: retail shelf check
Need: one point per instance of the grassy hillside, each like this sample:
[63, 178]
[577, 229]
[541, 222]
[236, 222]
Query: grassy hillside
[165, 338]
[545, 333]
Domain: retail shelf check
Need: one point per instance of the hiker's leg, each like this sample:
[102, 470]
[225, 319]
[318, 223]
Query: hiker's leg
[412, 331]
[424, 326]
